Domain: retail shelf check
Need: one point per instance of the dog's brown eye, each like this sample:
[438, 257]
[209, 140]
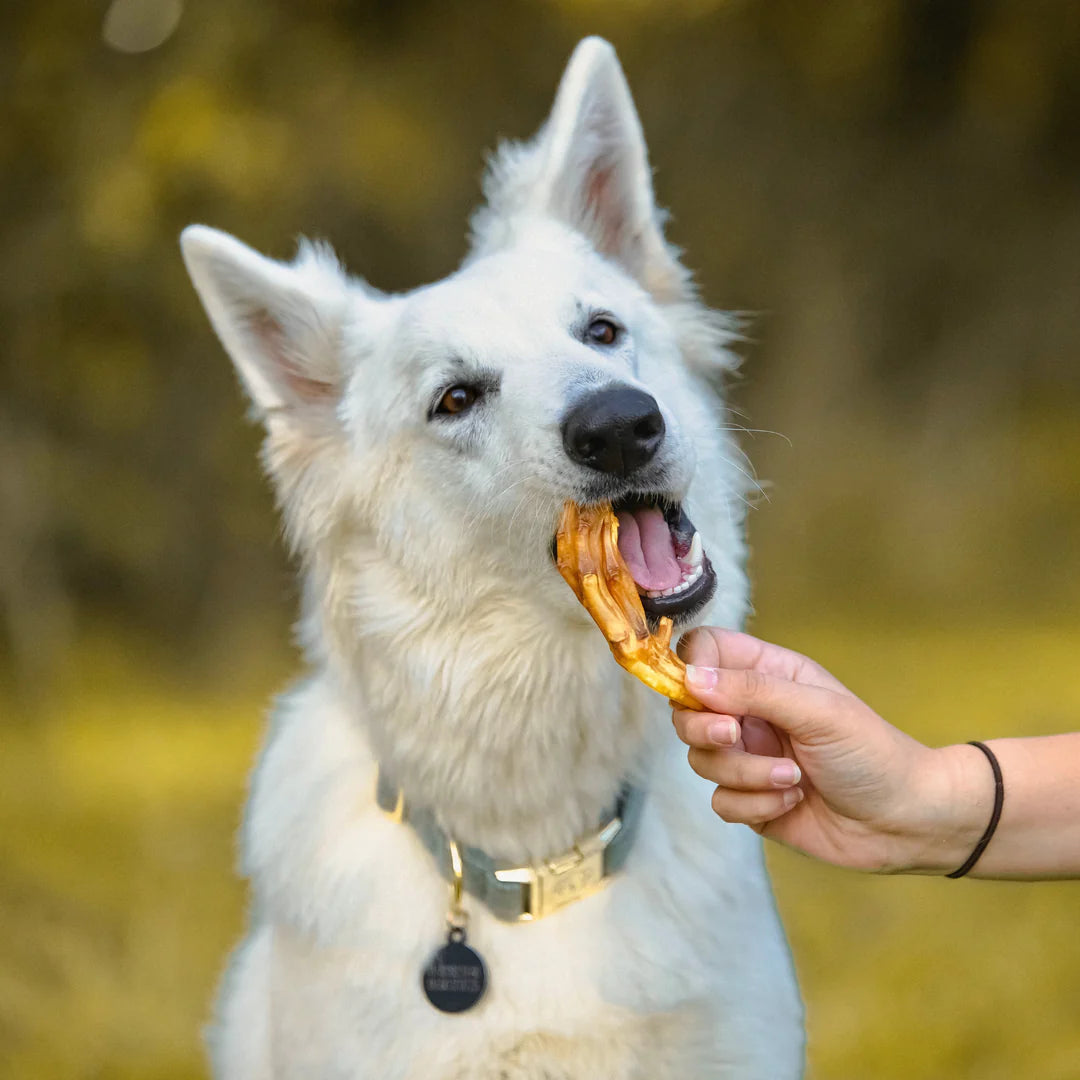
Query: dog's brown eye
[457, 399]
[602, 332]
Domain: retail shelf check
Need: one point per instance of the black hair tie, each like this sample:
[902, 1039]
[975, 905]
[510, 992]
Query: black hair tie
[995, 816]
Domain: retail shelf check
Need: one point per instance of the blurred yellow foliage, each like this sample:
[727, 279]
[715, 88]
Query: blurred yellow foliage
[119, 207]
[893, 185]
[190, 128]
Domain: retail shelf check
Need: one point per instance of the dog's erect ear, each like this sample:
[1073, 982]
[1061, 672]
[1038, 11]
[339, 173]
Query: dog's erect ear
[594, 168]
[281, 323]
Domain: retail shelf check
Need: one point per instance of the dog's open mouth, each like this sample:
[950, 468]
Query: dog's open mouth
[663, 552]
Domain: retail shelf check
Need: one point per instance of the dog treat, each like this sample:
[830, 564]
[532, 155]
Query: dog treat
[589, 560]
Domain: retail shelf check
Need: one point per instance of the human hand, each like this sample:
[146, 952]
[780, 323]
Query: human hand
[801, 760]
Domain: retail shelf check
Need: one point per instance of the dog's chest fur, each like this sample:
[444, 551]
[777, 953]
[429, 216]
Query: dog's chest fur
[677, 969]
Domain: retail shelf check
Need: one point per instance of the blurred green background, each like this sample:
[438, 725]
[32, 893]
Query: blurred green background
[892, 187]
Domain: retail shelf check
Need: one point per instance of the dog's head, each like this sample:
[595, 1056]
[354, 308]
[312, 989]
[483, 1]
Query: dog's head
[424, 444]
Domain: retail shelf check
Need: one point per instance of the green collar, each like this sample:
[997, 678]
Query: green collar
[524, 893]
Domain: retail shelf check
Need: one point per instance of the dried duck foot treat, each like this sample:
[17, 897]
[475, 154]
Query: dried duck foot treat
[589, 560]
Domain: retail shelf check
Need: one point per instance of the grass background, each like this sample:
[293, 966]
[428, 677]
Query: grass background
[119, 900]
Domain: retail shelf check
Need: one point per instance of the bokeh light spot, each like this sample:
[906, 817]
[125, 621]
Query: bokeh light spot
[135, 26]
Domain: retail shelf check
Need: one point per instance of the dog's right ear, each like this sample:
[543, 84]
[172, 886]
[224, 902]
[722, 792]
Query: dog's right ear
[281, 323]
[587, 167]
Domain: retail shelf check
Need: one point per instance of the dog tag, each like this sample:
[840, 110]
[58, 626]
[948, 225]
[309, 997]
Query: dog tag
[455, 978]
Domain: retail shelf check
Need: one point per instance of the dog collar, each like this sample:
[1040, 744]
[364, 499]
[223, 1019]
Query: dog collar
[526, 893]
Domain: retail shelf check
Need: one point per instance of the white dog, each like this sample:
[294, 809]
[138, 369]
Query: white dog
[422, 447]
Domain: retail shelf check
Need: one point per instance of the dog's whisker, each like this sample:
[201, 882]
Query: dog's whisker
[489, 498]
[749, 476]
[517, 509]
[756, 431]
[493, 498]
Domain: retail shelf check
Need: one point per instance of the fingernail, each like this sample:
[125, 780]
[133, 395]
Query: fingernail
[792, 796]
[785, 774]
[723, 732]
[700, 678]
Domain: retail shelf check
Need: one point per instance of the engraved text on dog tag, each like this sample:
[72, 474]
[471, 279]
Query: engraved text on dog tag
[455, 978]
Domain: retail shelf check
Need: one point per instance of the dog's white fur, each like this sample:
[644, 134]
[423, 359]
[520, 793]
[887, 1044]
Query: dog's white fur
[445, 645]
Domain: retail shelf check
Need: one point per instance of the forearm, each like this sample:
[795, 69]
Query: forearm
[1038, 835]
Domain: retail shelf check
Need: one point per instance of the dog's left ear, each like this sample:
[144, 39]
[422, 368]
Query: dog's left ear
[594, 169]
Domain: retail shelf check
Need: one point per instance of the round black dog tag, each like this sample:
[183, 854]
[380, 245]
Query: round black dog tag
[454, 979]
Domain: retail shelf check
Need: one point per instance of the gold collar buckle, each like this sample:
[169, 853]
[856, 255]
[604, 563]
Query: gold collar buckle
[551, 884]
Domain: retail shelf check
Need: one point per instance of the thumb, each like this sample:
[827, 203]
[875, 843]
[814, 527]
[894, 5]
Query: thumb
[809, 714]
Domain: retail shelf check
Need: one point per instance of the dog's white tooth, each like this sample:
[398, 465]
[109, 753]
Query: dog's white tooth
[698, 571]
[682, 587]
[694, 555]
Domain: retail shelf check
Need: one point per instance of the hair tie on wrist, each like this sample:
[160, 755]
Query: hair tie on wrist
[995, 816]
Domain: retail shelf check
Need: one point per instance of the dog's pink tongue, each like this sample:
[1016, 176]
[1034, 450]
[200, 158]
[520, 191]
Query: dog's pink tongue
[645, 544]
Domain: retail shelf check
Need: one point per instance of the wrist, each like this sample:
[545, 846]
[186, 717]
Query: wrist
[953, 799]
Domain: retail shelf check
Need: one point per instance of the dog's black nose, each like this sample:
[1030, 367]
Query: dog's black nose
[614, 430]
